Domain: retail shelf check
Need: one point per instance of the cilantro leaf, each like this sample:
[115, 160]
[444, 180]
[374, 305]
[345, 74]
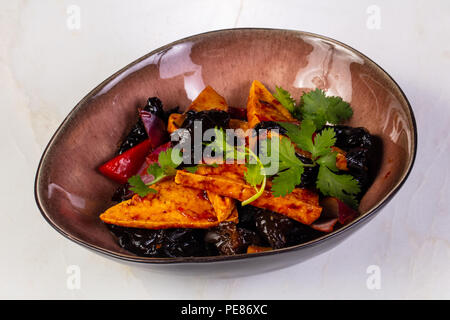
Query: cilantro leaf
[286, 100]
[287, 156]
[290, 169]
[338, 110]
[328, 160]
[138, 186]
[319, 108]
[156, 171]
[343, 187]
[323, 142]
[303, 137]
[191, 169]
[253, 174]
[169, 160]
[313, 107]
[316, 111]
[286, 181]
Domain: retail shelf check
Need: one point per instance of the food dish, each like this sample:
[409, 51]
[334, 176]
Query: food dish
[227, 204]
[70, 192]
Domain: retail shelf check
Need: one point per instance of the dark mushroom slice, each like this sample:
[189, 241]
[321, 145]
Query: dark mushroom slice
[230, 239]
[165, 243]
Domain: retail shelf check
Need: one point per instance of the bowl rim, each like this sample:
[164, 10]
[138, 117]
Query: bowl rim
[208, 259]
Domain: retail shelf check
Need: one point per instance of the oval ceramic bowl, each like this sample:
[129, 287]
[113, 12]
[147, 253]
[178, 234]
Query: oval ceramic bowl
[71, 193]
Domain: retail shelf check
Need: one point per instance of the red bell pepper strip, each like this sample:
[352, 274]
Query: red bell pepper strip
[127, 164]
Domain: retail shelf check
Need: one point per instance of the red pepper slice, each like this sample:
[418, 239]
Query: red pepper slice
[127, 164]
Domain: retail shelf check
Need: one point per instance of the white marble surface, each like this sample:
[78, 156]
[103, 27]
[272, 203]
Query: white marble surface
[46, 67]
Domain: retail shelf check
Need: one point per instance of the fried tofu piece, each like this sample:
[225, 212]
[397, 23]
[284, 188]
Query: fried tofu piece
[209, 99]
[175, 121]
[234, 216]
[341, 159]
[256, 249]
[223, 206]
[173, 206]
[239, 124]
[301, 204]
[231, 171]
[262, 106]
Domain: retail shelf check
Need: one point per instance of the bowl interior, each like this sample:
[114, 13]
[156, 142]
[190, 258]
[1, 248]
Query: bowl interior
[72, 194]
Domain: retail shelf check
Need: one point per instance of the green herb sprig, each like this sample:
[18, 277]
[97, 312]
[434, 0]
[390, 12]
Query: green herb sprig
[255, 174]
[315, 106]
[329, 182]
[166, 166]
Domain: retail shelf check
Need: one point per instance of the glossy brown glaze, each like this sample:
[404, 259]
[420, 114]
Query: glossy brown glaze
[71, 193]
